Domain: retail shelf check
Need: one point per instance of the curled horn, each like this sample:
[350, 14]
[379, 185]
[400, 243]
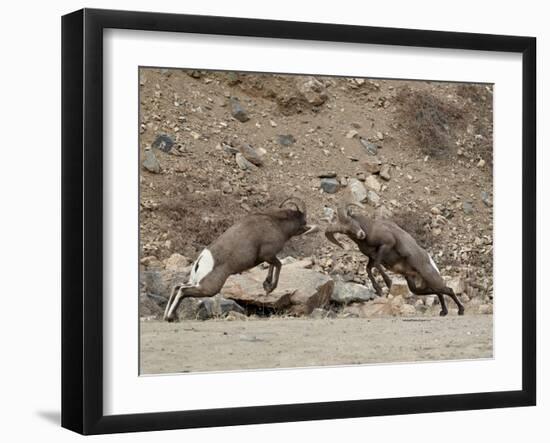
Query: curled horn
[335, 228]
[297, 202]
[343, 211]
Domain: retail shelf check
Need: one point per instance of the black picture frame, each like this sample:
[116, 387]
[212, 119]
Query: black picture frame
[82, 218]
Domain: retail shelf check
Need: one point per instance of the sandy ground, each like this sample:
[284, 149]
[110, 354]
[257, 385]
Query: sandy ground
[217, 345]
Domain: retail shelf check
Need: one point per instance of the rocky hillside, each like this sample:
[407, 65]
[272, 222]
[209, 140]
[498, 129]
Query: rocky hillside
[218, 145]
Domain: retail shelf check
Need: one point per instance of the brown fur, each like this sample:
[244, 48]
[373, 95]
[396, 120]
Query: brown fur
[388, 245]
[252, 240]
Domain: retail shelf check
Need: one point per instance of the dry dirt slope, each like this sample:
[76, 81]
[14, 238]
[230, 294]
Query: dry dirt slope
[436, 139]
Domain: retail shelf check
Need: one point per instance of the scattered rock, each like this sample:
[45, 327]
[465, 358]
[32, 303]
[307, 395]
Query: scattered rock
[305, 263]
[486, 199]
[195, 74]
[371, 148]
[468, 208]
[383, 212]
[299, 289]
[352, 133]
[320, 314]
[373, 183]
[163, 142]
[385, 172]
[330, 185]
[373, 198]
[286, 139]
[150, 162]
[329, 174]
[233, 78]
[485, 309]
[313, 290]
[176, 262]
[457, 284]
[151, 262]
[372, 165]
[149, 308]
[243, 163]
[429, 300]
[379, 307]
[235, 316]
[481, 163]
[379, 136]
[328, 214]
[407, 310]
[247, 290]
[160, 282]
[397, 300]
[399, 287]
[251, 154]
[313, 91]
[357, 190]
[229, 149]
[237, 111]
[216, 306]
[226, 188]
[346, 293]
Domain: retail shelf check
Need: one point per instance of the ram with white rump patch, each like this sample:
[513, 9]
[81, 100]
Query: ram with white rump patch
[387, 245]
[254, 239]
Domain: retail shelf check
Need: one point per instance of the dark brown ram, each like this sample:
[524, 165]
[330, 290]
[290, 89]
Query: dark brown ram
[389, 246]
[254, 239]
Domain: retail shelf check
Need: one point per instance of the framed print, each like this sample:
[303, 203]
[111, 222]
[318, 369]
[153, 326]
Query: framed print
[270, 221]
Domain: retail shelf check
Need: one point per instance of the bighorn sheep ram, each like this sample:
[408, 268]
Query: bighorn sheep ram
[386, 244]
[254, 239]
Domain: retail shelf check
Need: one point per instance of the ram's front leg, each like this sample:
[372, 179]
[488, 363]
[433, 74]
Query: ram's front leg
[382, 250]
[375, 284]
[272, 279]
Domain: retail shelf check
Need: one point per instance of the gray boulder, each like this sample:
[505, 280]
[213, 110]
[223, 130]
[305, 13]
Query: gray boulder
[330, 185]
[163, 142]
[251, 154]
[313, 91]
[358, 190]
[237, 110]
[371, 148]
[150, 162]
[300, 290]
[347, 292]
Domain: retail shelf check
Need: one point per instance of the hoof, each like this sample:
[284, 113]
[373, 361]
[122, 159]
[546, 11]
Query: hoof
[443, 313]
[172, 319]
[461, 311]
[268, 287]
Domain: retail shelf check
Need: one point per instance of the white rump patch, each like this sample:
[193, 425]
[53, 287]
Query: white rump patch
[201, 268]
[433, 263]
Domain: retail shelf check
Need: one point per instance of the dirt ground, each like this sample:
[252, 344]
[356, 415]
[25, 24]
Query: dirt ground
[218, 345]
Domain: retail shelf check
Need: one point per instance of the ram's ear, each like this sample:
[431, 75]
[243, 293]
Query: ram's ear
[350, 205]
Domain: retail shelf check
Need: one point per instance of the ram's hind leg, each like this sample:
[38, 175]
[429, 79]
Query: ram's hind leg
[428, 291]
[451, 293]
[175, 290]
[385, 276]
[170, 313]
[210, 285]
